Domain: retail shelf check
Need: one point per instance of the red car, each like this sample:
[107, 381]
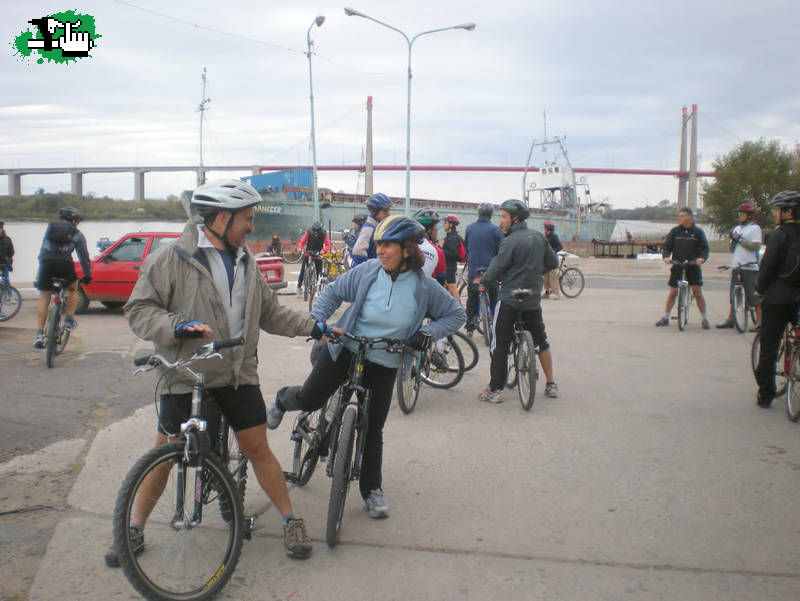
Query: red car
[115, 270]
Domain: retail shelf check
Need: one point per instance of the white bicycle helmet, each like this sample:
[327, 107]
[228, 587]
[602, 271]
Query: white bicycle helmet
[225, 195]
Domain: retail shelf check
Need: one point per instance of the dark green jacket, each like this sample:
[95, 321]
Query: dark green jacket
[523, 257]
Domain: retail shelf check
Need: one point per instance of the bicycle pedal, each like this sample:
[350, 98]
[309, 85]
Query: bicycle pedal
[247, 530]
[290, 477]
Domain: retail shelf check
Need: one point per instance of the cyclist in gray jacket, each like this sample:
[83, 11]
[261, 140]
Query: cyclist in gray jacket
[523, 258]
[207, 285]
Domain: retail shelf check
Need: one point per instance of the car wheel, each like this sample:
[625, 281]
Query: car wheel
[83, 301]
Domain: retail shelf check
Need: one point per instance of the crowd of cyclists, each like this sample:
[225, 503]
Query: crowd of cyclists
[402, 285]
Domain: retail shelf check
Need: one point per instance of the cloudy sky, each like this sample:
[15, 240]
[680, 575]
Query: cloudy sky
[611, 76]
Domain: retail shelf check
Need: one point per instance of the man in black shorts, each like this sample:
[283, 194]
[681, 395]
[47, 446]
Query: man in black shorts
[207, 285]
[55, 261]
[685, 242]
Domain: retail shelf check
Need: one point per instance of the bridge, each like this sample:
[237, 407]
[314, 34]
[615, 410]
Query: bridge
[76, 173]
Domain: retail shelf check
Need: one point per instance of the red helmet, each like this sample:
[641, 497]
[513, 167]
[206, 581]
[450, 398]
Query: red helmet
[549, 225]
[746, 207]
[452, 219]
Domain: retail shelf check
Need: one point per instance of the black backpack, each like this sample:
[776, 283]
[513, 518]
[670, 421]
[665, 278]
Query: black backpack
[61, 232]
[789, 272]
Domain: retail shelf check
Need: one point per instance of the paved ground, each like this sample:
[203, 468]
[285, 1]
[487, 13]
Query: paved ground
[652, 476]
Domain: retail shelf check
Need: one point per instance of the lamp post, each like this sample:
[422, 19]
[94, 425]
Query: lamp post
[350, 12]
[318, 22]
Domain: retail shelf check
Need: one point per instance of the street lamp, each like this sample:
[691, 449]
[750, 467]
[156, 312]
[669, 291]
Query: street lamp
[350, 12]
[318, 22]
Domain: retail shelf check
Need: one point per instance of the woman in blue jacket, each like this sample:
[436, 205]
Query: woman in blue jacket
[390, 297]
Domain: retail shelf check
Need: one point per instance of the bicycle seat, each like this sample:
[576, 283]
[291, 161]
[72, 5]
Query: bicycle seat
[57, 283]
[521, 293]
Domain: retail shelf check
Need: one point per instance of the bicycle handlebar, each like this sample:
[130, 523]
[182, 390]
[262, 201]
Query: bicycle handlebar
[738, 266]
[685, 263]
[394, 345]
[202, 352]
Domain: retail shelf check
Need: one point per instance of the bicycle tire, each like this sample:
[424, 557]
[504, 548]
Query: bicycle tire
[471, 354]
[408, 385]
[527, 370]
[10, 302]
[793, 392]
[311, 294]
[755, 352]
[571, 282]
[463, 293]
[291, 257]
[307, 277]
[683, 307]
[53, 319]
[306, 445]
[62, 338]
[512, 375]
[234, 459]
[485, 314]
[179, 562]
[341, 475]
[449, 377]
[739, 306]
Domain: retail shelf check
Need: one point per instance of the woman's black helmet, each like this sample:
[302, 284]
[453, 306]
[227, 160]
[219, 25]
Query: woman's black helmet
[70, 214]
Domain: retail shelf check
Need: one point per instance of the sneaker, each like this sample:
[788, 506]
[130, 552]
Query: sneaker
[70, 323]
[274, 415]
[706, 325]
[39, 341]
[376, 504]
[299, 292]
[470, 333]
[137, 544]
[438, 361]
[551, 390]
[728, 323]
[662, 322]
[490, 396]
[295, 539]
[763, 402]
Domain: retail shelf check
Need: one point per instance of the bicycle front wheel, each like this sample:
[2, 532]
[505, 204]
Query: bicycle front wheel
[306, 436]
[469, 350]
[62, 338]
[51, 329]
[343, 463]
[571, 282]
[445, 365]
[408, 384]
[793, 394]
[683, 307]
[10, 302]
[755, 354]
[739, 308]
[526, 369]
[485, 317]
[190, 550]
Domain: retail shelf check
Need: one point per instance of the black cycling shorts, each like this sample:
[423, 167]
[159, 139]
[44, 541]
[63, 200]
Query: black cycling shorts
[693, 275]
[450, 275]
[243, 407]
[49, 269]
[749, 279]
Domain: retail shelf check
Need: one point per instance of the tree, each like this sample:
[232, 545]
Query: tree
[752, 172]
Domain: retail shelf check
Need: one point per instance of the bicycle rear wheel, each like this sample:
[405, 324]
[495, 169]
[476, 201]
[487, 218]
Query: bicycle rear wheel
[469, 350]
[485, 316]
[188, 554]
[343, 463]
[571, 282]
[10, 302]
[445, 365]
[755, 353]
[739, 308]
[793, 394]
[291, 257]
[512, 375]
[233, 458]
[683, 307]
[527, 370]
[51, 329]
[408, 385]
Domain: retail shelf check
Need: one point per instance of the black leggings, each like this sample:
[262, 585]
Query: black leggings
[774, 319]
[325, 377]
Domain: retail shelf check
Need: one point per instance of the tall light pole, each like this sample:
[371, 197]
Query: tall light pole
[318, 22]
[350, 12]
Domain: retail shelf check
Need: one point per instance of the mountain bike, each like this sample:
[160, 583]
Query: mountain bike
[468, 348]
[524, 369]
[196, 523]
[331, 269]
[10, 300]
[56, 332]
[310, 275]
[685, 295]
[787, 368]
[483, 319]
[742, 309]
[339, 428]
[441, 366]
[570, 279]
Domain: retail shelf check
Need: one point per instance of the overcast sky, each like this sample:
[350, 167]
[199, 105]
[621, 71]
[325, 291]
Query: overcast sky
[612, 77]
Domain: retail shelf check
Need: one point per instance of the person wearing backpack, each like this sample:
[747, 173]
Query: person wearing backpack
[779, 286]
[55, 261]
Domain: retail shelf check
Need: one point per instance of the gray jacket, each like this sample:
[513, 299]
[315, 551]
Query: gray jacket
[175, 285]
[523, 257]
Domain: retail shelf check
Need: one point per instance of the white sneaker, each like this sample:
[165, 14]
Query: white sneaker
[376, 504]
[490, 396]
[274, 415]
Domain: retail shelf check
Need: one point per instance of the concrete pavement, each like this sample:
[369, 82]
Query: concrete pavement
[652, 476]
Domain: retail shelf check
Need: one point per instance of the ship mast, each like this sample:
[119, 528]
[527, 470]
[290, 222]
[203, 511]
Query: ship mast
[368, 158]
[201, 174]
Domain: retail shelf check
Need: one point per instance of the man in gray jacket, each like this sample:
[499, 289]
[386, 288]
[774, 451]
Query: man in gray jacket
[523, 258]
[207, 285]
